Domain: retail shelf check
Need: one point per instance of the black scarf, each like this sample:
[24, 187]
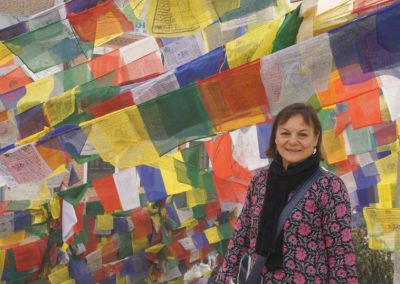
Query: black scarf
[280, 183]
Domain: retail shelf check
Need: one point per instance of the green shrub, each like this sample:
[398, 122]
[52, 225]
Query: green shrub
[373, 266]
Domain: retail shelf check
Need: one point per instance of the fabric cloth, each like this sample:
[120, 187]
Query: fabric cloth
[281, 183]
[317, 243]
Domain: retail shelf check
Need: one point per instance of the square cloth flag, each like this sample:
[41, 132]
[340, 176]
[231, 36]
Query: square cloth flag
[119, 191]
[176, 118]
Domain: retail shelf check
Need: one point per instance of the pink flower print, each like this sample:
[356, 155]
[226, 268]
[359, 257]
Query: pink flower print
[297, 215]
[324, 198]
[240, 240]
[239, 225]
[292, 240]
[341, 210]
[299, 278]
[310, 206]
[323, 269]
[346, 235]
[310, 270]
[279, 274]
[304, 229]
[286, 225]
[335, 227]
[332, 261]
[341, 273]
[314, 186]
[317, 222]
[350, 259]
[312, 245]
[335, 186]
[257, 210]
[254, 199]
[262, 191]
[339, 250]
[321, 245]
[231, 245]
[233, 258]
[324, 181]
[317, 280]
[290, 264]
[253, 243]
[301, 254]
[328, 241]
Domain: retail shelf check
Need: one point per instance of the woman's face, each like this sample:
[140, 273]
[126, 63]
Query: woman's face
[295, 140]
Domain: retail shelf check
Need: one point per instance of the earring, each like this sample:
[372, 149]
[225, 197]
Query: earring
[314, 150]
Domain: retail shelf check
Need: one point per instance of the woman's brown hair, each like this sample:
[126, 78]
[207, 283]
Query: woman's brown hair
[310, 117]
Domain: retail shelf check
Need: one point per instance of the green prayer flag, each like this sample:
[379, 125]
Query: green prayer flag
[75, 194]
[287, 32]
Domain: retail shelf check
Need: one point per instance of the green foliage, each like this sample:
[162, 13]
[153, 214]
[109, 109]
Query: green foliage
[373, 266]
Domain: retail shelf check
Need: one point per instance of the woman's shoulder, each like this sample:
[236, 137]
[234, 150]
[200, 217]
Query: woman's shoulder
[327, 177]
[260, 173]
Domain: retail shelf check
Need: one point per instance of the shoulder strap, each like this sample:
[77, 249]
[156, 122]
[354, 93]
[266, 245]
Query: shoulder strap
[261, 260]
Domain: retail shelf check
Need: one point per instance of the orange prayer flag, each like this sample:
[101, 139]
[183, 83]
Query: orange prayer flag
[235, 95]
[105, 64]
[365, 110]
[13, 80]
[338, 92]
[53, 157]
[343, 120]
[99, 22]
[347, 166]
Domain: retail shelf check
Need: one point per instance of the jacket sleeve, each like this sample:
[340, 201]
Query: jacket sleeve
[239, 242]
[337, 233]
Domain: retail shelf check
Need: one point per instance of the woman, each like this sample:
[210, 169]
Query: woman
[315, 245]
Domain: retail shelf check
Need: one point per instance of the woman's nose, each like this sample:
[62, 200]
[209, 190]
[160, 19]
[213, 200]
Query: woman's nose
[292, 139]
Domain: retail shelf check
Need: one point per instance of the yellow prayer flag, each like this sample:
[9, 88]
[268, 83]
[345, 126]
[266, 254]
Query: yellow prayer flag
[36, 93]
[252, 45]
[104, 222]
[387, 168]
[212, 235]
[59, 275]
[12, 238]
[170, 19]
[55, 207]
[39, 215]
[59, 108]
[170, 176]
[5, 54]
[139, 244]
[121, 138]
[189, 223]
[155, 249]
[387, 195]
[334, 146]
[196, 197]
[383, 228]
[2, 260]
[253, 117]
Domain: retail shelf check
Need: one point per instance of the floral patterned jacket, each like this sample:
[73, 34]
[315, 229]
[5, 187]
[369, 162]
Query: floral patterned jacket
[317, 241]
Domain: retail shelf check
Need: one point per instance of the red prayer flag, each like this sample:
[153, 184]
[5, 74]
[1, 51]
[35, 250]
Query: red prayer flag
[13, 80]
[107, 193]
